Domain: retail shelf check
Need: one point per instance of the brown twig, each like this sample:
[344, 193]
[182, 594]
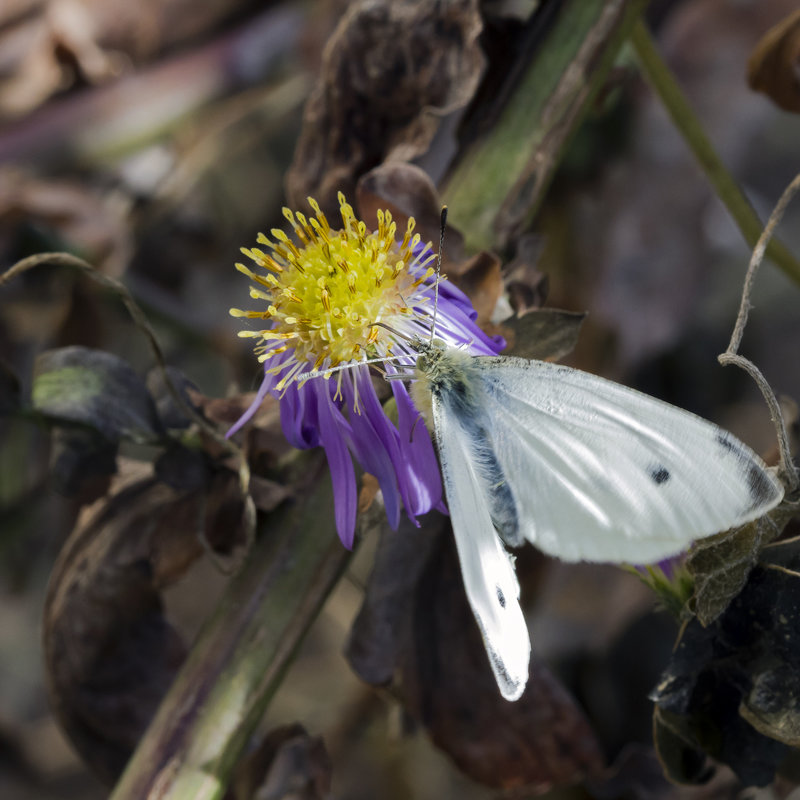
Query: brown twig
[786, 468]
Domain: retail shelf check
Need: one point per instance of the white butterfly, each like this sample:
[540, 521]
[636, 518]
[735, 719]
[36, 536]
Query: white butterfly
[583, 468]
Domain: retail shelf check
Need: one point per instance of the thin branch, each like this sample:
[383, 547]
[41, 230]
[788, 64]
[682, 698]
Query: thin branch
[755, 263]
[658, 75]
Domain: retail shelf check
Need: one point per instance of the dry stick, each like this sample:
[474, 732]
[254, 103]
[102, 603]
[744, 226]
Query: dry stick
[731, 356]
[143, 324]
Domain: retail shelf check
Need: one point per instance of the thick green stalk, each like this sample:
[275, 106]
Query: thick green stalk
[500, 181]
[663, 84]
[238, 661]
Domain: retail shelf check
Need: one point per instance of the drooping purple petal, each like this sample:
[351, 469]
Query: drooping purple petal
[374, 439]
[424, 480]
[299, 414]
[262, 392]
[333, 434]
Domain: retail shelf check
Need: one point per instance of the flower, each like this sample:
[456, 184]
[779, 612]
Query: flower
[334, 300]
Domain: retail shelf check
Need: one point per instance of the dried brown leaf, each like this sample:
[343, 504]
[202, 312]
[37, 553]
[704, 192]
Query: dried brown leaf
[721, 564]
[61, 41]
[774, 65]
[288, 764]
[544, 333]
[389, 72]
[110, 654]
[407, 191]
[416, 628]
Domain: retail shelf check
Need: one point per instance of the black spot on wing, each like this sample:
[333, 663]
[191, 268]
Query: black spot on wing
[501, 598]
[759, 484]
[762, 489]
[659, 474]
[728, 443]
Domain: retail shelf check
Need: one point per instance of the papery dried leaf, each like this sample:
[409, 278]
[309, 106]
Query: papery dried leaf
[288, 764]
[526, 284]
[732, 685]
[97, 389]
[264, 435]
[109, 653]
[545, 333]
[95, 39]
[224, 509]
[407, 191]
[82, 462]
[182, 468]
[720, 564]
[389, 71]
[416, 626]
[382, 627]
[681, 759]
[772, 706]
[774, 65]
[267, 494]
[481, 279]
[172, 416]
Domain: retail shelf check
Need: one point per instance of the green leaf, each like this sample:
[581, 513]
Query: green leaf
[96, 389]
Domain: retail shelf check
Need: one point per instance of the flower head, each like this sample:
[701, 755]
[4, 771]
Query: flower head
[337, 298]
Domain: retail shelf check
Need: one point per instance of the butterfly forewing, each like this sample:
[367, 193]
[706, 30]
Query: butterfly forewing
[602, 472]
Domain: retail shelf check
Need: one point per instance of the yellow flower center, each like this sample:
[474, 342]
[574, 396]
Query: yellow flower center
[326, 297]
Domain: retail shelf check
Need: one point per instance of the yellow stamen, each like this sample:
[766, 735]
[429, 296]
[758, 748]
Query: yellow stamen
[325, 290]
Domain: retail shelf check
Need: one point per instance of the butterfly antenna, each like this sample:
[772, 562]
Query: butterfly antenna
[322, 372]
[442, 226]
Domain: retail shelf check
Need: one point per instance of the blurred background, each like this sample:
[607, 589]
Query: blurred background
[153, 140]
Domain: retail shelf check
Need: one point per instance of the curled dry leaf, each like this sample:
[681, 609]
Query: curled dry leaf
[774, 65]
[721, 564]
[82, 462]
[544, 333]
[389, 71]
[731, 689]
[288, 764]
[416, 629]
[110, 654]
[407, 191]
[96, 389]
[94, 40]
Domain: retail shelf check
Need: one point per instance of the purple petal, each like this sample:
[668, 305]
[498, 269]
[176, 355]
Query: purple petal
[374, 439]
[424, 478]
[299, 414]
[262, 392]
[333, 429]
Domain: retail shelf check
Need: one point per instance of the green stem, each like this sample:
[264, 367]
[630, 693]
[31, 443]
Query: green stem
[663, 84]
[498, 184]
[240, 657]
